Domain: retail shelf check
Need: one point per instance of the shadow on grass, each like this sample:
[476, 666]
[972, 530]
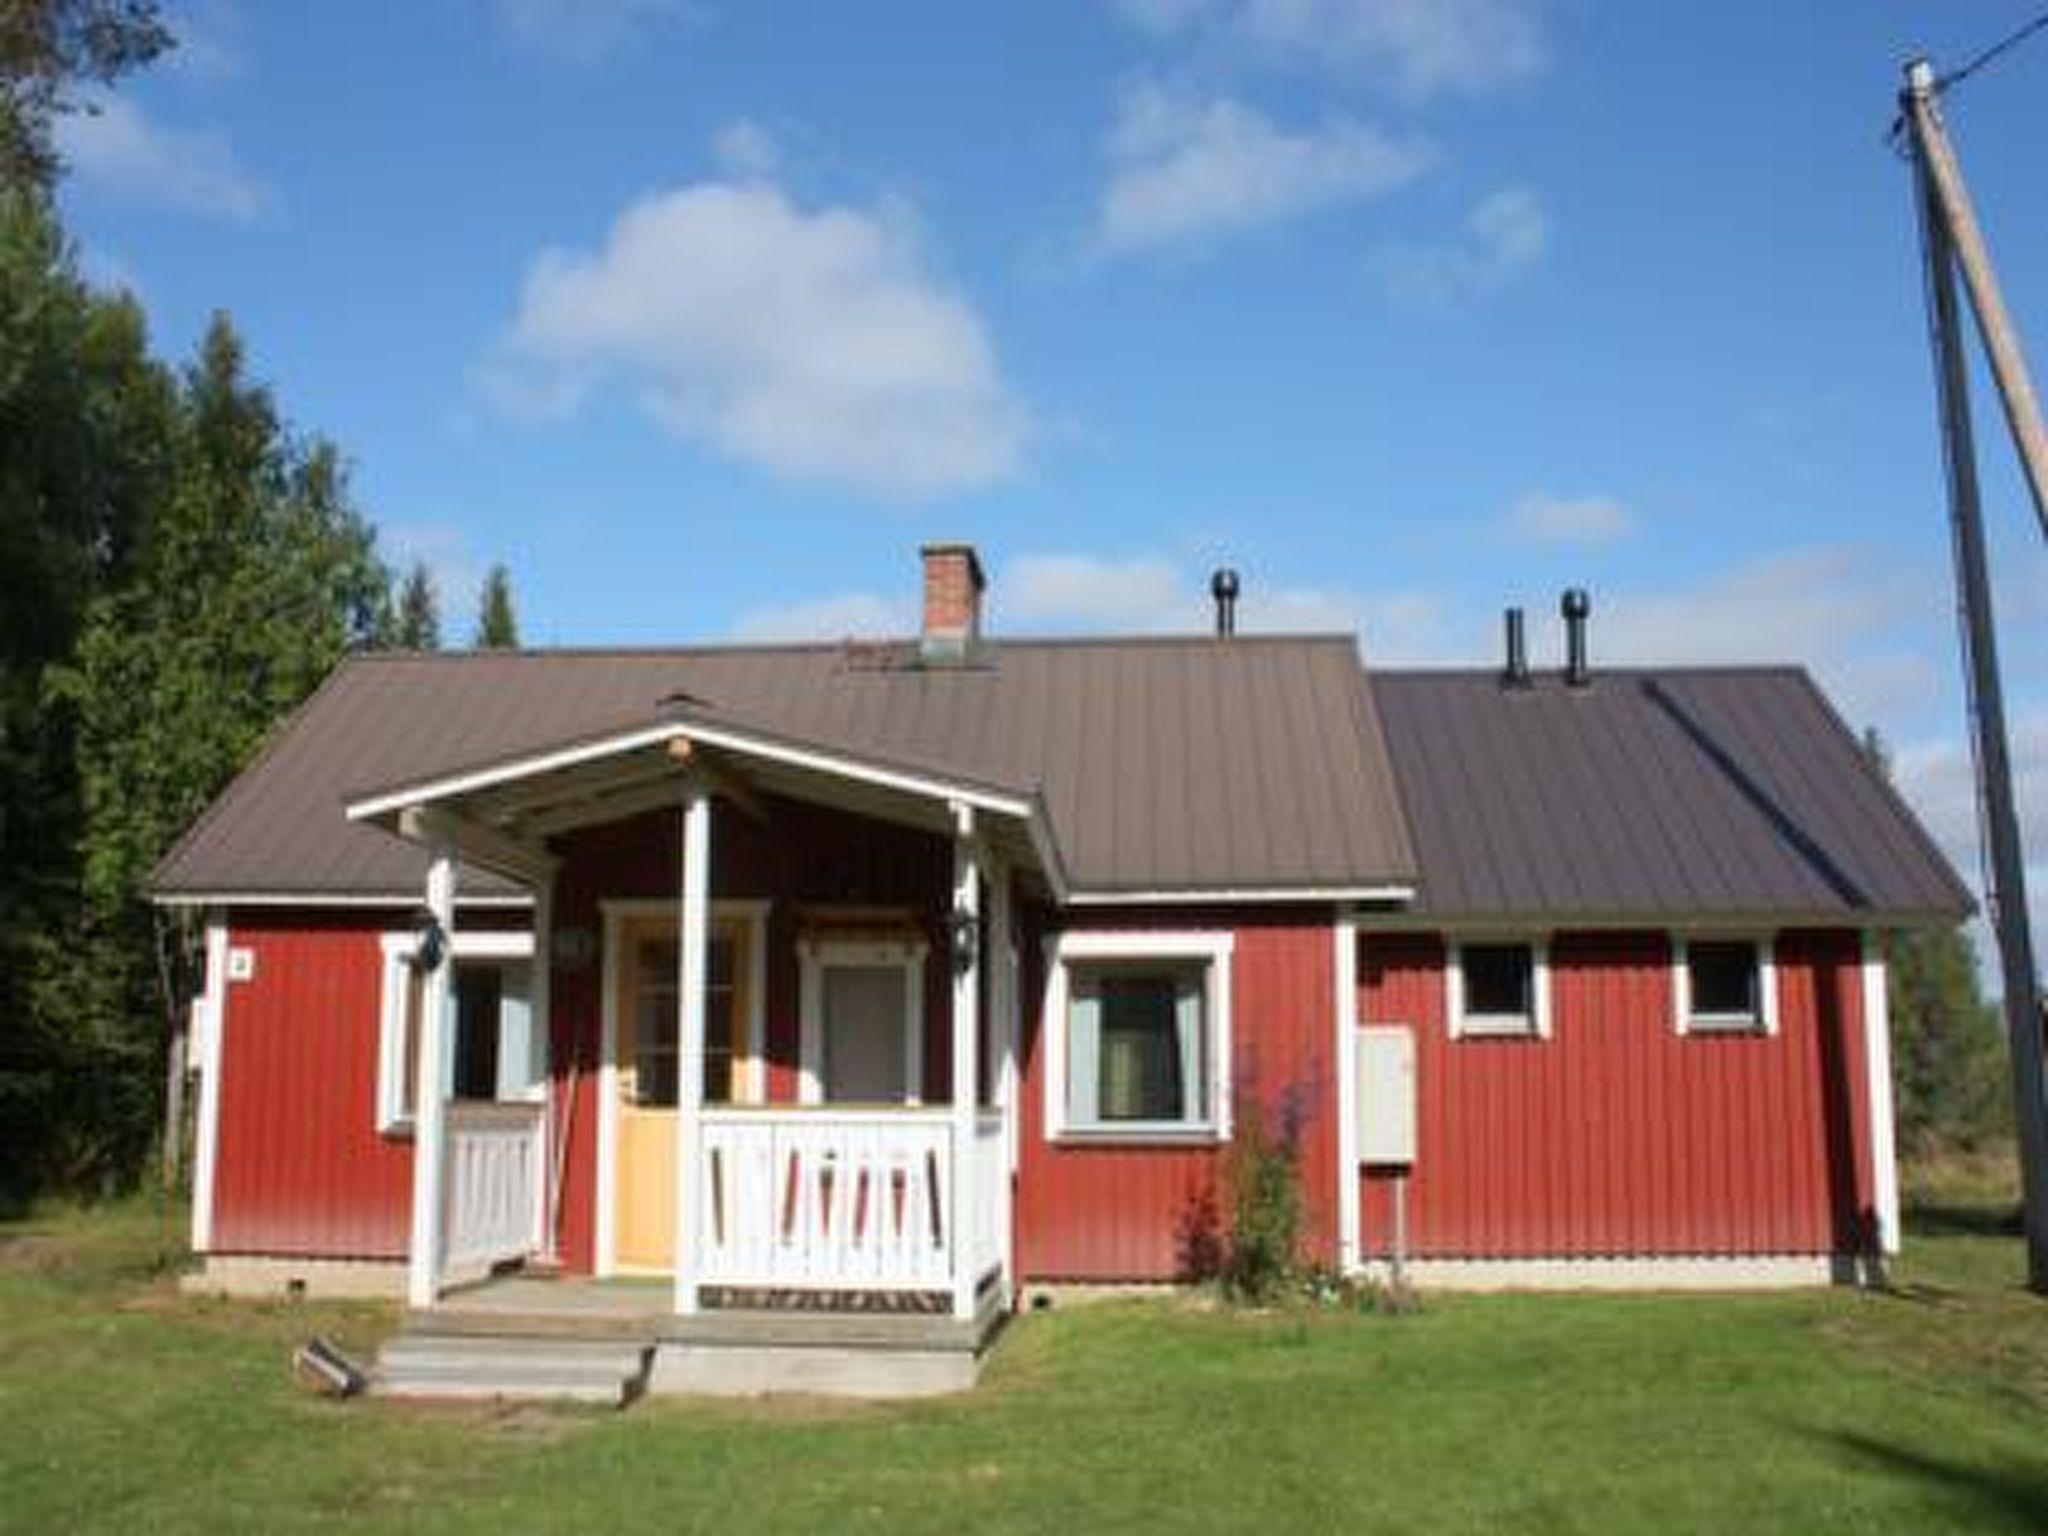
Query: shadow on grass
[1941, 1218]
[2012, 1495]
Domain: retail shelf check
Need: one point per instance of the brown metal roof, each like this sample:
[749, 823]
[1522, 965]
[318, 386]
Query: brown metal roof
[1677, 792]
[1163, 765]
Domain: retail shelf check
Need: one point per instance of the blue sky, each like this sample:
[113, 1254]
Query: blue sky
[702, 316]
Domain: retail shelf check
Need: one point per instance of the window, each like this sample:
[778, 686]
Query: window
[1725, 985]
[656, 973]
[1139, 1035]
[493, 1050]
[1499, 987]
[862, 1020]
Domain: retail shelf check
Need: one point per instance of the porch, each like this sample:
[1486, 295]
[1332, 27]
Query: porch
[849, 1191]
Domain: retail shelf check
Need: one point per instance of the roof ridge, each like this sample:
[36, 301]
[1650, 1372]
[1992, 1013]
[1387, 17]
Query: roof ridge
[853, 642]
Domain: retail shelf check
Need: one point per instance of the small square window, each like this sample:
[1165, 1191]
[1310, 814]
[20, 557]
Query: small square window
[1725, 984]
[1498, 988]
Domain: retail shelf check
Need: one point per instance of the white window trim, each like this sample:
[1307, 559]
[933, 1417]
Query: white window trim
[399, 947]
[1499, 1026]
[1216, 949]
[1686, 1022]
[814, 956]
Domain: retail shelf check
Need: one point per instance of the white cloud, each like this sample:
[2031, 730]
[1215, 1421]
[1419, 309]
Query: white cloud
[745, 150]
[839, 616]
[1505, 232]
[816, 344]
[1421, 47]
[584, 31]
[1185, 166]
[1153, 594]
[116, 146]
[1541, 518]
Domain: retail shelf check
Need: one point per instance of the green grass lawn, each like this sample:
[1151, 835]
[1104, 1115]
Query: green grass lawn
[124, 1406]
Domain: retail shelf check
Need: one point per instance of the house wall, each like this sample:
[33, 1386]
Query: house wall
[1096, 1211]
[1617, 1136]
[301, 1169]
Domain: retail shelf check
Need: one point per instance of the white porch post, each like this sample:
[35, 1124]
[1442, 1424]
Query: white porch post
[429, 1133]
[695, 920]
[540, 996]
[966, 1039]
[1003, 995]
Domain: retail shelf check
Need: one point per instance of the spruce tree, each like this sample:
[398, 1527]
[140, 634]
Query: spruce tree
[417, 624]
[496, 627]
[1948, 1047]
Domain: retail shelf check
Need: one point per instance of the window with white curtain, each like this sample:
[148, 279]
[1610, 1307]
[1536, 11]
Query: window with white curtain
[1139, 1034]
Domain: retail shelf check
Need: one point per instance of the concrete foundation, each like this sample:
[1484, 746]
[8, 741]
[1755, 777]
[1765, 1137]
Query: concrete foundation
[761, 1370]
[317, 1279]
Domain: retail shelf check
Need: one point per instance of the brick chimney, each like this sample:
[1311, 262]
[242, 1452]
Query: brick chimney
[953, 585]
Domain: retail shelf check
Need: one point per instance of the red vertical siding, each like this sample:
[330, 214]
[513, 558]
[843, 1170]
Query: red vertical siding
[301, 1168]
[1617, 1136]
[1126, 1212]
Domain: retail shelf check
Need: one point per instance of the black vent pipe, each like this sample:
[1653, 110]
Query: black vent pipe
[1514, 672]
[1576, 607]
[1223, 587]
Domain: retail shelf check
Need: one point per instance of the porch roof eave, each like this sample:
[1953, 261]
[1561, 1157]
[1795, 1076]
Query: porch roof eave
[417, 810]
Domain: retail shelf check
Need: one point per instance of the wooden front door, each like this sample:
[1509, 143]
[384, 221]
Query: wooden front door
[645, 979]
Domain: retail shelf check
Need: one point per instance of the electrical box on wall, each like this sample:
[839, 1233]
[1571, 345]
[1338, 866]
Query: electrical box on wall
[1385, 1064]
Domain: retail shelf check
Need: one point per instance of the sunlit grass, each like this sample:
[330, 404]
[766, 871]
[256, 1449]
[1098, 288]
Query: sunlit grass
[124, 1405]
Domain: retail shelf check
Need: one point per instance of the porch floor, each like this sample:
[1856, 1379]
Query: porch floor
[729, 1349]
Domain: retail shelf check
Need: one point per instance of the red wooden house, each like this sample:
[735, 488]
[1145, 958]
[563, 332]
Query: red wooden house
[939, 969]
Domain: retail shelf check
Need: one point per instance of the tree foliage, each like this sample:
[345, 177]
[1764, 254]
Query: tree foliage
[48, 49]
[496, 627]
[416, 622]
[189, 569]
[1948, 1045]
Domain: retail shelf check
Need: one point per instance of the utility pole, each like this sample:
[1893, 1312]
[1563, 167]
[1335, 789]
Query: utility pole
[1951, 238]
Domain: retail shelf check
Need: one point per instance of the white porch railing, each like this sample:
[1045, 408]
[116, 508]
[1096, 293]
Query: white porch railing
[844, 1199]
[492, 1209]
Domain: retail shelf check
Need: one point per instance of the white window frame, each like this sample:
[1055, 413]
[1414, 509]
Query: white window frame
[1214, 949]
[393, 1119]
[814, 958]
[1499, 1026]
[1764, 946]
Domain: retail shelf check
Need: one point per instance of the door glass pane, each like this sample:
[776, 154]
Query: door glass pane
[654, 1020]
[865, 1057]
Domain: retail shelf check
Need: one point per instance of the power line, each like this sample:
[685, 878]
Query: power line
[2005, 45]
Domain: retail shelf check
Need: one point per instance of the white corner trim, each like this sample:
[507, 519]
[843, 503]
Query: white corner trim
[814, 957]
[213, 1016]
[1344, 972]
[1686, 1022]
[1877, 1060]
[1216, 948]
[1474, 1026]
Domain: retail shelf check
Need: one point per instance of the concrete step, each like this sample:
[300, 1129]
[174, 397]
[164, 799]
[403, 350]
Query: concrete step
[468, 1367]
